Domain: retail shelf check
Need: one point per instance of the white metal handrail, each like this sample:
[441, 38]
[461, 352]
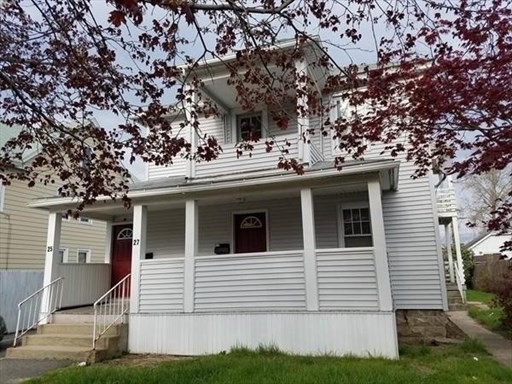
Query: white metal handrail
[29, 309]
[110, 305]
[459, 278]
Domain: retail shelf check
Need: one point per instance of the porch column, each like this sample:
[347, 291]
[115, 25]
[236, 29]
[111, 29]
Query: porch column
[140, 214]
[458, 252]
[308, 235]
[448, 240]
[51, 263]
[302, 107]
[108, 242]
[191, 236]
[379, 245]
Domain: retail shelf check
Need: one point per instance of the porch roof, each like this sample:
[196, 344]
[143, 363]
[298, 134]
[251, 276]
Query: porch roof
[175, 188]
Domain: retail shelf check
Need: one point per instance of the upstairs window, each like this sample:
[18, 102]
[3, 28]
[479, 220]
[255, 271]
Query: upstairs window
[63, 255]
[356, 227]
[249, 127]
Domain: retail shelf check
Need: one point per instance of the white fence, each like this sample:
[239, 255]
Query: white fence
[83, 283]
[16, 285]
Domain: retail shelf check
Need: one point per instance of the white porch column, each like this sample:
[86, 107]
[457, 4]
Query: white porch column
[308, 235]
[448, 241]
[302, 106]
[458, 252]
[191, 236]
[379, 245]
[140, 215]
[51, 263]
[108, 242]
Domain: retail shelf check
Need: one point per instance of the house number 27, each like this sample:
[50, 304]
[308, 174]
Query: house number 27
[136, 241]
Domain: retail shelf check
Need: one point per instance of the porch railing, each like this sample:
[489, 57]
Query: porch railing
[110, 308]
[29, 314]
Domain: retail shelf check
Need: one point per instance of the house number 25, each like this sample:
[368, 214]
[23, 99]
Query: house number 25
[136, 241]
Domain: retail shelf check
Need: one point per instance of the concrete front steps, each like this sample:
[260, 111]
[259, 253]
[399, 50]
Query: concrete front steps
[71, 340]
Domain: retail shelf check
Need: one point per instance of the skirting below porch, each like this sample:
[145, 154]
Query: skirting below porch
[362, 334]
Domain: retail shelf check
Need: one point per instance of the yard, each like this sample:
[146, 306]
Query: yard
[465, 363]
[488, 314]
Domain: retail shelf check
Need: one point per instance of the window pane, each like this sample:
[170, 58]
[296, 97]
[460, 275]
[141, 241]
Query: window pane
[355, 215]
[250, 128]
[365, 214]
[346, 215]
[366, 227]
[357, 228]
[82, 257]
[348, 229]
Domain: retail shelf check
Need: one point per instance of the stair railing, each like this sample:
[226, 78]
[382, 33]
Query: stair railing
[459, 278]
[29, 314]
[110, 308]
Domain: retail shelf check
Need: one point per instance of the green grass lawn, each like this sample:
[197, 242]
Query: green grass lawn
[489, 318]
[465, 363]
[483, 297]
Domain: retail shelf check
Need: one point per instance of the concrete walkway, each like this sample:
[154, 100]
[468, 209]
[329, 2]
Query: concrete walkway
[495, 344]
[15, 371]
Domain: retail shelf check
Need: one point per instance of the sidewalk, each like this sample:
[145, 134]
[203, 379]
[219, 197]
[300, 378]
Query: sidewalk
[495, 344]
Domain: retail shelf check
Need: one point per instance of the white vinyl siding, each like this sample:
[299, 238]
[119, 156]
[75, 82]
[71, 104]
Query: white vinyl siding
[347, 279]
[250, 282]
[161, 286]
[228, 160]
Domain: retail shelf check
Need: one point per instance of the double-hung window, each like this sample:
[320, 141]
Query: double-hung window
[355, 226]
[249, 127]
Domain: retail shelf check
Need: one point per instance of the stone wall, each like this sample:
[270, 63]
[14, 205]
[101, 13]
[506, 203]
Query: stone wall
[425, 326]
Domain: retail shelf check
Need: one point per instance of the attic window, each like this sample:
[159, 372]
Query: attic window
[251, 222]
[249, 127]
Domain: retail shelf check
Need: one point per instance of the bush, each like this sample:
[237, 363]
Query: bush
[502, 288]
[469, 266]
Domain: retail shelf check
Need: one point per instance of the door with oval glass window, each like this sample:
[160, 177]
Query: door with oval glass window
[250, 232]
[121, 253]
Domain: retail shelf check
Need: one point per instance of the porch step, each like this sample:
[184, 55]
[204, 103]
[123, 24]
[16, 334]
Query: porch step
[455, 302]
[71, 318]
[44, 352]
[70, 342]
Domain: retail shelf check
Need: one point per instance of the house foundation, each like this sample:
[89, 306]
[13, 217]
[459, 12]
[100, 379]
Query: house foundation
[425, 326]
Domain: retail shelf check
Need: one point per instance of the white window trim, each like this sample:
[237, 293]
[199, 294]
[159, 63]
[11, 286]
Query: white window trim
[87, 257]
[233, 229]
[236, 113]
[65, 255]
[350, 205]
[338, 105]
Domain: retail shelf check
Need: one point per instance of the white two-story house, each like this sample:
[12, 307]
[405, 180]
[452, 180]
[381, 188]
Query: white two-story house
[236, 252]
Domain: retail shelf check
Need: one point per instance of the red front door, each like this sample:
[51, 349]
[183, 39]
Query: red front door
[121, 253]
[250, 232]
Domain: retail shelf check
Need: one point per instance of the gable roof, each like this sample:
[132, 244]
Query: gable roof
[477, 240]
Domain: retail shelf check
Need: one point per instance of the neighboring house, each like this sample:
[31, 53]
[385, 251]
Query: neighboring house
[23, 233]
[489, 244]
[237, 252]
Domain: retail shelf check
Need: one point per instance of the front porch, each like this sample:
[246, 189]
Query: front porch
[317, 281]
